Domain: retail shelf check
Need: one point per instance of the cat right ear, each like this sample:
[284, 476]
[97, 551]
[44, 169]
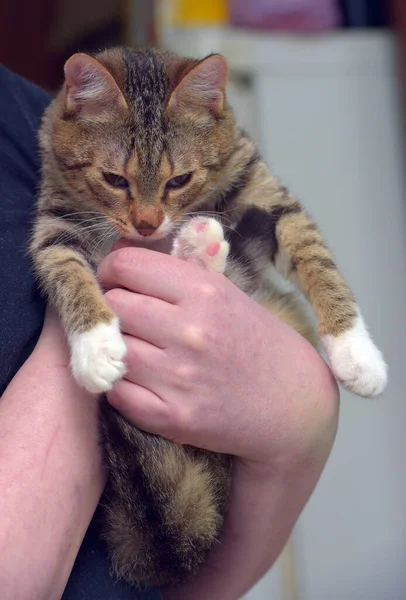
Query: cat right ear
[91, 91]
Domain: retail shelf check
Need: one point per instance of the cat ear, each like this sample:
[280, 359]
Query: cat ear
[90, 89]
[203, 87]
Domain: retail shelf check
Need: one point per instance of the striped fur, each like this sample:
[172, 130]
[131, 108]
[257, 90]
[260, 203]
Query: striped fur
[142, 120]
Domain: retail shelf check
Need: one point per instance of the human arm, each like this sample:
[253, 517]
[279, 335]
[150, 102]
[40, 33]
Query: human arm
[266, 500]
[51, 475]
[209, 367]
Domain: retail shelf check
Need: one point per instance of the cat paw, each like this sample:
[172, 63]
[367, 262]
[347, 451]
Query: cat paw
[356, 361]
[202, 241]
[97, 357]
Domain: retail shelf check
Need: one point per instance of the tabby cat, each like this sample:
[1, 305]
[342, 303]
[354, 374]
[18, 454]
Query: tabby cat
[136, 142]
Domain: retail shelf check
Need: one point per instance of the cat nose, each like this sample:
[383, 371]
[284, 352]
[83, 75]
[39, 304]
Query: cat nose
[146, 231]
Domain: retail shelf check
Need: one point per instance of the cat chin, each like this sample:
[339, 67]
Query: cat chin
[162, 232]
[162, 244]
[144, 240]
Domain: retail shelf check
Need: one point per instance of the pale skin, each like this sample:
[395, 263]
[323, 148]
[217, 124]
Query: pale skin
[206, 366]
[51, 474]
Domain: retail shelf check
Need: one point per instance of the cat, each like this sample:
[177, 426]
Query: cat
[142, 144]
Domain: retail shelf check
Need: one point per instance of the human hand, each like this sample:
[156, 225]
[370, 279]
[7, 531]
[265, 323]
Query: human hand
[208, 366]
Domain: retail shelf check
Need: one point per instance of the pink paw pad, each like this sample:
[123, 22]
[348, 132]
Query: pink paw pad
[201, 226]
[213, 248]
[201, 241]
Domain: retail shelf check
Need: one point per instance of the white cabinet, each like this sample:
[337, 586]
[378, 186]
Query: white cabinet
[326, 113]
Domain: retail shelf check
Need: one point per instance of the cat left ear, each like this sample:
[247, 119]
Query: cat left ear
[91, 90]
[203, 87]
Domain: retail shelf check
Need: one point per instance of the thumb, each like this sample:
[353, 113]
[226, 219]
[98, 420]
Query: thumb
[121, 243]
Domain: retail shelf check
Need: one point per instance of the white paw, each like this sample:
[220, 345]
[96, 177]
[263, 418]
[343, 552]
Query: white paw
[97, 357]
[202, 241]
[356, 361]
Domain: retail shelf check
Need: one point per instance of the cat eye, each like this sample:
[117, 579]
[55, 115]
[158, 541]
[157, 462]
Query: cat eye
[115, 180]
[178, 182]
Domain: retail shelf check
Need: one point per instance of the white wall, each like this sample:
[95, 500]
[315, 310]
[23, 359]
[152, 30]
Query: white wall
[327, 116]
[335, 138]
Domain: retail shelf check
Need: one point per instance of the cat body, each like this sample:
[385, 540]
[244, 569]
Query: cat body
[142, 144]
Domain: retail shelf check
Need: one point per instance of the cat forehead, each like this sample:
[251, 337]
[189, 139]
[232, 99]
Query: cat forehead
[150, 141]
[146, 87]
[146, 77]
[149, 177]
[158, 149]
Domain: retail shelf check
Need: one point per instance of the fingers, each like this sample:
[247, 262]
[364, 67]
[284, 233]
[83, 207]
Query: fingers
[140, 407]
[145, 365]
[143, 397]
[145, 317]
[121, 243]
[147, 272]
[153, 369]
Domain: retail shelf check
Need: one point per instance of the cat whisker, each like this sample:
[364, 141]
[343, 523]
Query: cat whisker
[85, 212]
[69, 235]
[78, 222]
[211, 213]
[104, 238]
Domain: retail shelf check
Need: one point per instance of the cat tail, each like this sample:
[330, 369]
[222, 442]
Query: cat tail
[164, 504]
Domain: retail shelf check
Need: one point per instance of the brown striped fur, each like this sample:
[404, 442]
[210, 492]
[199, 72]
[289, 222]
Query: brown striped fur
[150, 116]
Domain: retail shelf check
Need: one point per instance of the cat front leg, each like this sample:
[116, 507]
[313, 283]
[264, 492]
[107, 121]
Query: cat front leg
[355, 360]
[280, 231]
[302, 255]
[96, 344]
[97, 356]
[201, 241]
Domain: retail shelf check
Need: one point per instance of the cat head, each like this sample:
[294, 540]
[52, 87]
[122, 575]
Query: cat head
[141, 136]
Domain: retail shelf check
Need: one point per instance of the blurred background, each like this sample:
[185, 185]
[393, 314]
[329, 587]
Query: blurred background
[320, 85]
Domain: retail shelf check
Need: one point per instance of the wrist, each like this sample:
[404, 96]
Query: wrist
[52, 348]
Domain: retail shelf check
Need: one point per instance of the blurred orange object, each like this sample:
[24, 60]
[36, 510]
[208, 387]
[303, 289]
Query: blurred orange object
[187, 13]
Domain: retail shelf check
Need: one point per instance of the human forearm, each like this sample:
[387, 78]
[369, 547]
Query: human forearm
[51, 476]
[265, 503]
[263, 509]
